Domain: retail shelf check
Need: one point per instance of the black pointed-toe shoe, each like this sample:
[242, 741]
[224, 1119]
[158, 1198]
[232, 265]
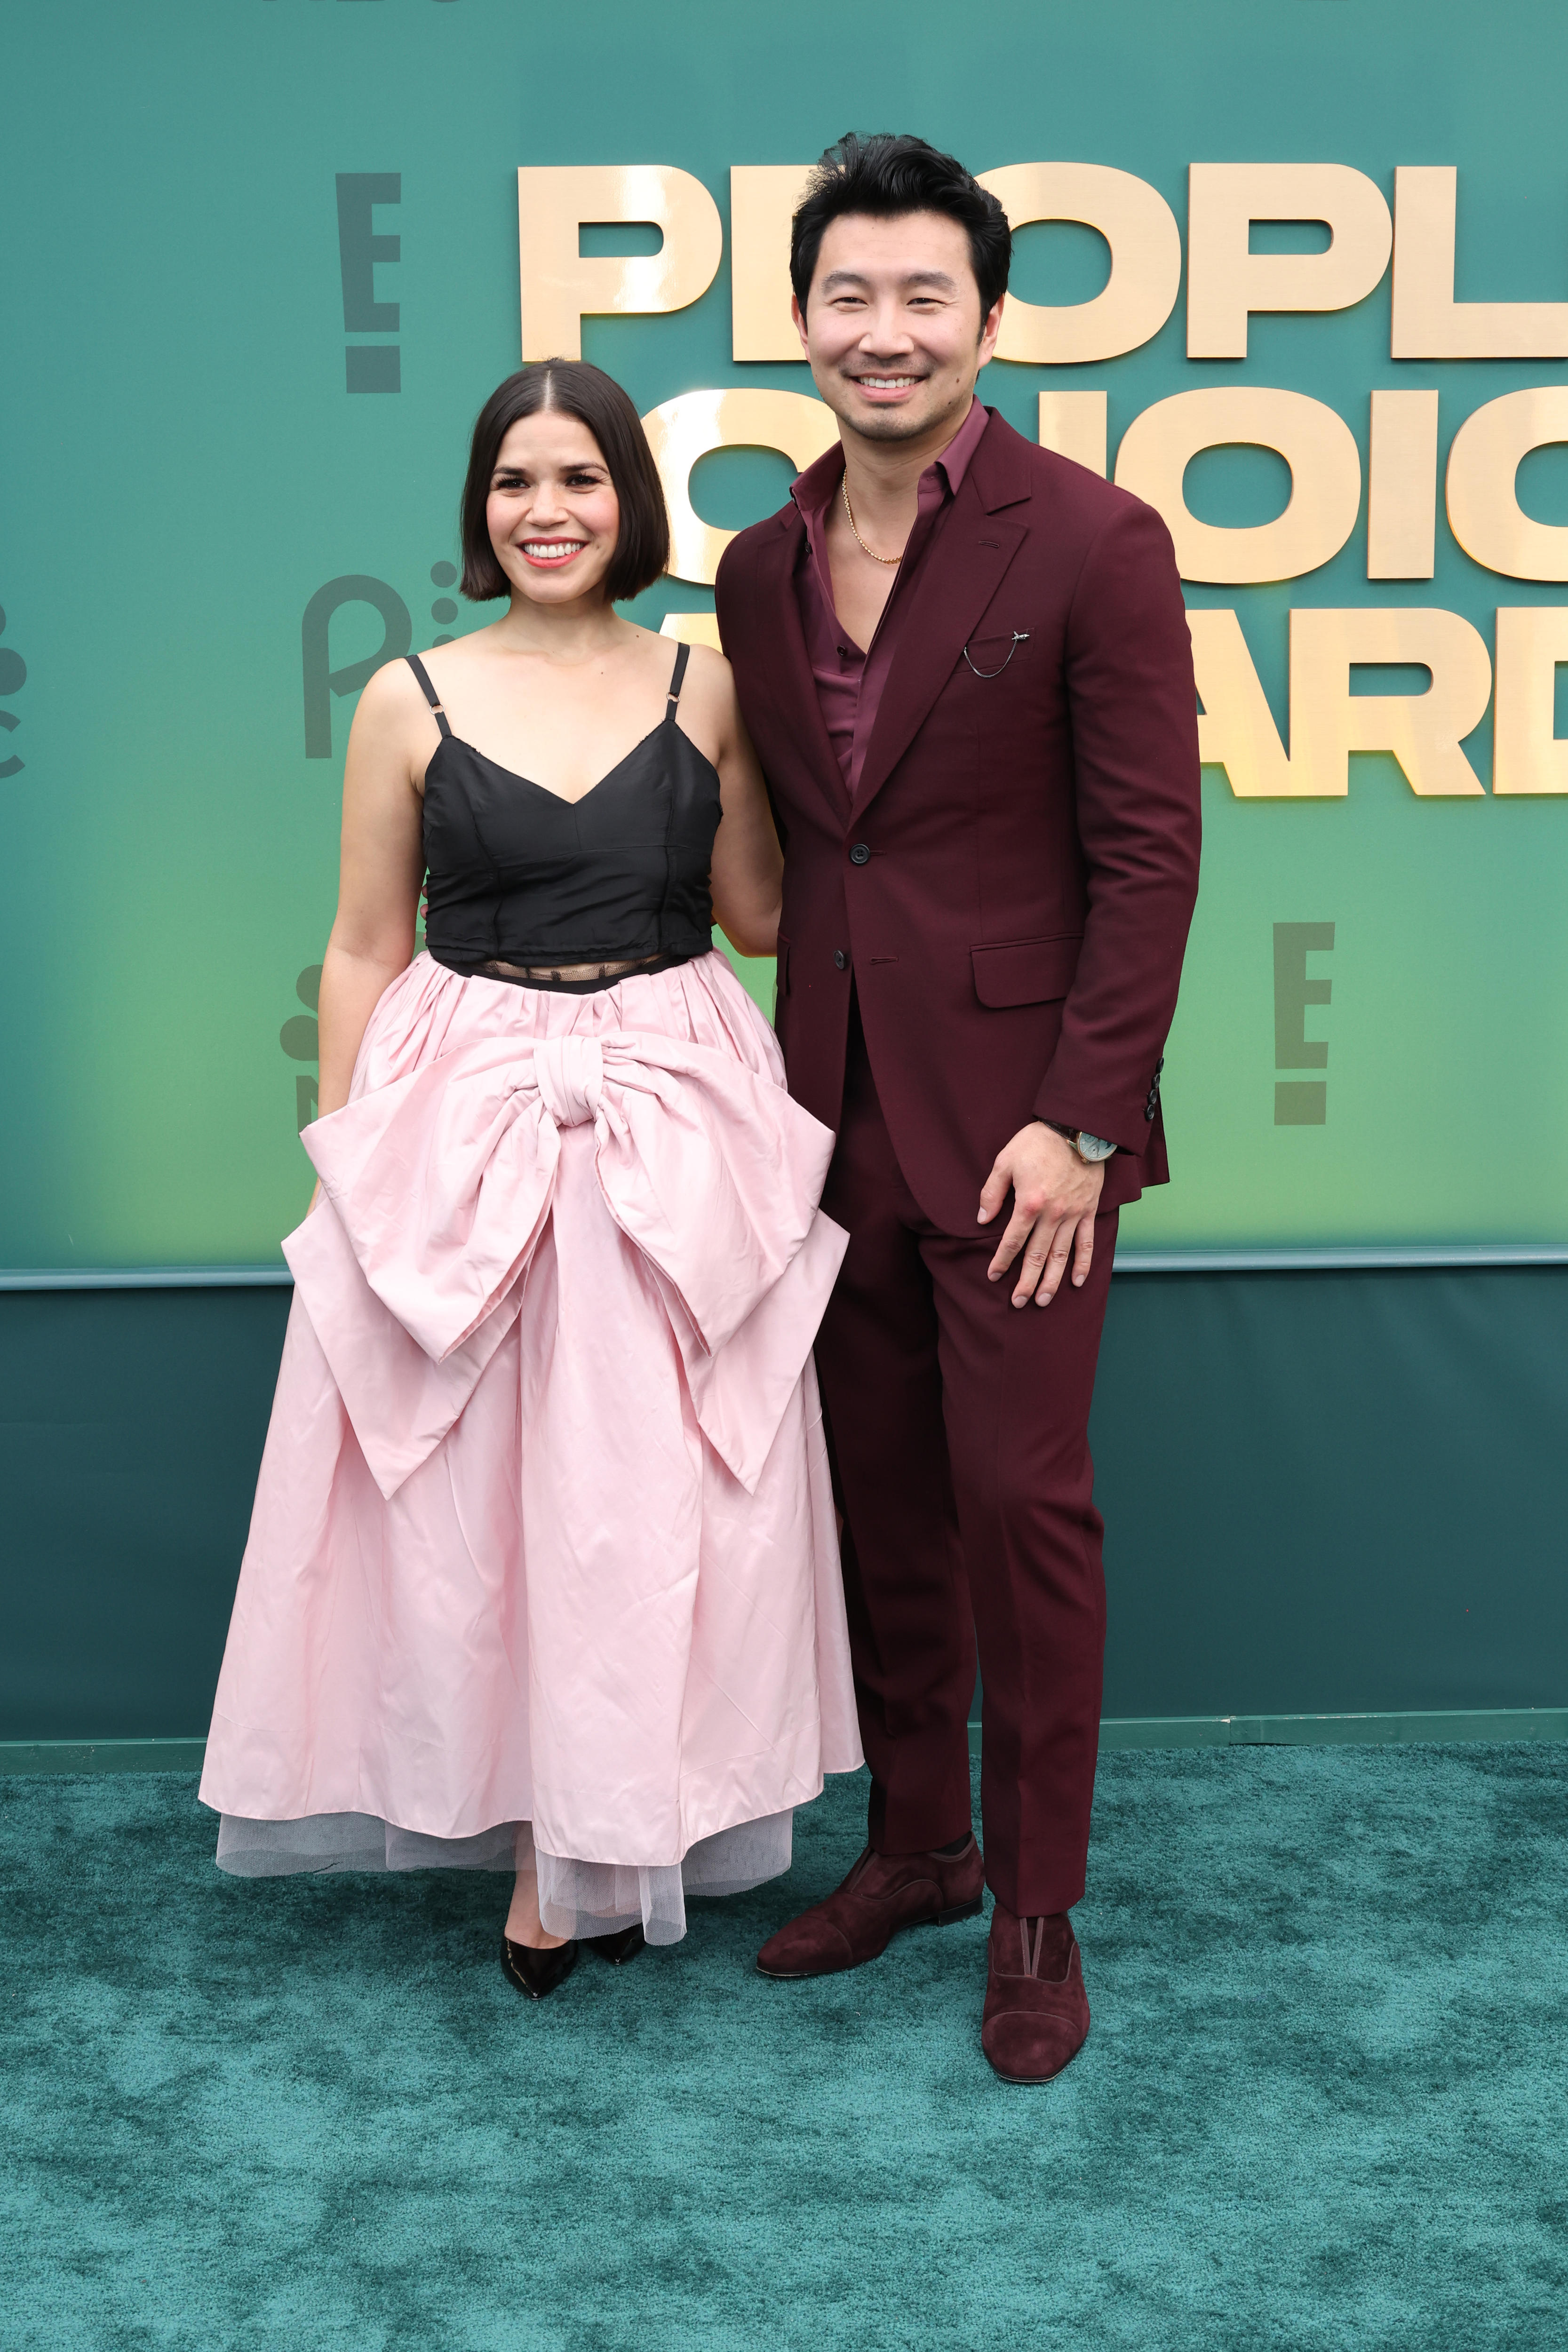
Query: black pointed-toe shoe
[535, 1970]
[623, 1945]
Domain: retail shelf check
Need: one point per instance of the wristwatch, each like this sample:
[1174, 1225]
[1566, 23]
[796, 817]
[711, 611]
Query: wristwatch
[1091, 1148]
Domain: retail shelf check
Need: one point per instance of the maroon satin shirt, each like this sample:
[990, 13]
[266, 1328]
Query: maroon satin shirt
[849, 682]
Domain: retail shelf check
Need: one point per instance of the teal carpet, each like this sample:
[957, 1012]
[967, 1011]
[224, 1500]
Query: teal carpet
[1324, 2104]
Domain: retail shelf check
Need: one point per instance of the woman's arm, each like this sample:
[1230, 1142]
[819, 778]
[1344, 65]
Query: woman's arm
[748, 864]
[382, 865]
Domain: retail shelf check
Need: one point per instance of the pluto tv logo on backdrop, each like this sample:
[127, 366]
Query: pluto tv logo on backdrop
[321, 681]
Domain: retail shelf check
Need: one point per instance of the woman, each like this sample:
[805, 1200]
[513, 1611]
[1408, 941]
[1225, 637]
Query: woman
[543, 1571]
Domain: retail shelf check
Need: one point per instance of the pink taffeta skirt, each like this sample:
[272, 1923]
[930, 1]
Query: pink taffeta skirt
[542, 1561]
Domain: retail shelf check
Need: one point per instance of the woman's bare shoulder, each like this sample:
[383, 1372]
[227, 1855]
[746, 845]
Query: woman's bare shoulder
[394, 726]
[709, 680]
[391, 693]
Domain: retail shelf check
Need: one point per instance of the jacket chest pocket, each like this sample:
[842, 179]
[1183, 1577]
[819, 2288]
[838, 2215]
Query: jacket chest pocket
[1011, 691]
[990, 657]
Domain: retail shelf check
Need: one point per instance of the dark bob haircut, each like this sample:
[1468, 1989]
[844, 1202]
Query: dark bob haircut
[571, 388]
[884, 176]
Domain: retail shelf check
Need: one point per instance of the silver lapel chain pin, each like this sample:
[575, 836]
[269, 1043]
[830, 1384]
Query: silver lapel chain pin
[1020, 636]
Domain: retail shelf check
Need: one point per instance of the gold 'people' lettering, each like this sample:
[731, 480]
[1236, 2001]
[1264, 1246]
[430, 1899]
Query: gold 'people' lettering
[1428, 323]
[1145, 244]
[560, 286]
[762, 200]
[1226, 281]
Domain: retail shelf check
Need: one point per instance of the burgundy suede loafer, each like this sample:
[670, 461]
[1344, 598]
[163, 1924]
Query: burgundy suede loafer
[882, 1893]
[1037, 2011]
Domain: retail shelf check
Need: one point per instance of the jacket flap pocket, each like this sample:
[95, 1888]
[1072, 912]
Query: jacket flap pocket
[1027, 971]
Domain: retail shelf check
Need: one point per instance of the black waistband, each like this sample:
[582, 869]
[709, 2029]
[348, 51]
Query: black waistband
[482, 969]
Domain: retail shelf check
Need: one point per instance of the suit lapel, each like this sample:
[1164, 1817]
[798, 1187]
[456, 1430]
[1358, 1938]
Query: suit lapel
[961, 569]
[783, 646]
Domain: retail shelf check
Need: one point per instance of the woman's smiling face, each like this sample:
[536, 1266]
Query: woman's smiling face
[553, 514]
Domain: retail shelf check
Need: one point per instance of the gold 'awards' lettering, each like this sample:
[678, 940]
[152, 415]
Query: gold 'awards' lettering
[1316, 444]
[1527, 755]
[1226, 281]
[1423, 732]
[561, 285]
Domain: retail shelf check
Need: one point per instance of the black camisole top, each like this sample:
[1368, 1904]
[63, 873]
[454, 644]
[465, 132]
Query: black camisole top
[517, 875]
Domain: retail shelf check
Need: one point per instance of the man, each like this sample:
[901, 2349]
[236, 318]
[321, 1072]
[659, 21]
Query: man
[965, 665]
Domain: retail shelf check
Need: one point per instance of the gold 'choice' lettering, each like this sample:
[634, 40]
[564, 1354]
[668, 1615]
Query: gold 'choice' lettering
[1484, 512]
[680, 431]
[1316, 444]
[1076, 425]
[1402, 487]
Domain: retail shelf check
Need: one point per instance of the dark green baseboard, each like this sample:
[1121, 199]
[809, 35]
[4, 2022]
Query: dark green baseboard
[1333, 1501]
[1444, 1726]
[101, 1755]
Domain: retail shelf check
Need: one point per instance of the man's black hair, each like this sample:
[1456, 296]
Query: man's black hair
[885, 175]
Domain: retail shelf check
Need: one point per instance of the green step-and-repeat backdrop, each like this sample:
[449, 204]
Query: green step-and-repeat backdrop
[1297, 270]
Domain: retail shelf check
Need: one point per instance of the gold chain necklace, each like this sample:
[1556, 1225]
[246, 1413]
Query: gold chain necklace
[844, 485]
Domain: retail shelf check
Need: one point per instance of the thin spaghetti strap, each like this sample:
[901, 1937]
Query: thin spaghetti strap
[431, 696]
[677, 674]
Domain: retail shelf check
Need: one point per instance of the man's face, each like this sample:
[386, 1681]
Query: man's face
[892, 325]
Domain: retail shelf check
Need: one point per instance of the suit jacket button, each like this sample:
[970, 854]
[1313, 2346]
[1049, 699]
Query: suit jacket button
[840, 958]
[861, 855]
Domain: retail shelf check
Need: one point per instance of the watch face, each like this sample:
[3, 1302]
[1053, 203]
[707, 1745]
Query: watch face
[1094, 1147]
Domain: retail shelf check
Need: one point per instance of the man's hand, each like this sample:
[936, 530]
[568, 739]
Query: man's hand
[1055, 1196]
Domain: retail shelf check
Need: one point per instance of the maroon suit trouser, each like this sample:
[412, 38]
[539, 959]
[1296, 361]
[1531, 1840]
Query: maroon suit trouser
[959, 1429]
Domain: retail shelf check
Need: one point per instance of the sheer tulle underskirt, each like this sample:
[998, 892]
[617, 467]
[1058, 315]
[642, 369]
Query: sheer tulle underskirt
[575, 1898]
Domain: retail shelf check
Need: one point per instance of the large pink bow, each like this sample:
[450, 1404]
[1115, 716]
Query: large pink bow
[439, 1185]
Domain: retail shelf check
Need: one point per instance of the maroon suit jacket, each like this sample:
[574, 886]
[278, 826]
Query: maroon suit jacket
[1011, 889]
